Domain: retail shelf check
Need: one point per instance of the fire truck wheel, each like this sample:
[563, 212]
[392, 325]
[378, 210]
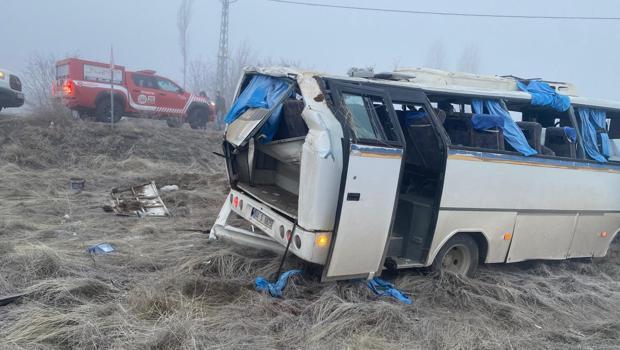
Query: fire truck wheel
[174, 122]
[198, 118]
[104, 109]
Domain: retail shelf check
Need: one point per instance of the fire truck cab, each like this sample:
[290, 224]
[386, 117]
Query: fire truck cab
[85, 87]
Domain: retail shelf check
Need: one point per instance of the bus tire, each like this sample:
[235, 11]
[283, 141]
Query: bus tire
[104, 108]
[459, 255]
[198, 118]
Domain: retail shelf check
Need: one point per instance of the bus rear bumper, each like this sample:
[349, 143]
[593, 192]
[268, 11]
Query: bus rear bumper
[308, 245]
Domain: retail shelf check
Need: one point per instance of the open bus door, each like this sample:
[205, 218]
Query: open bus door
[372, 168]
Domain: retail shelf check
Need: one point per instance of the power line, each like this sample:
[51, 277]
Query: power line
[436, 13]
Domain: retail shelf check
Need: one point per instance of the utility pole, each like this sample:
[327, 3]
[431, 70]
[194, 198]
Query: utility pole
[222, 54]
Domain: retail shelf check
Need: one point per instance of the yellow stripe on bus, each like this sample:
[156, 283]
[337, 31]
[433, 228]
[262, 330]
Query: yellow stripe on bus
[513, 162]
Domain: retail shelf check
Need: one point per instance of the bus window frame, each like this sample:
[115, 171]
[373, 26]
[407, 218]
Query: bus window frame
[339, 88]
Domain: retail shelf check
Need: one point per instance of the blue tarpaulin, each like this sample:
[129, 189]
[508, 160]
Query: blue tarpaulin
[275, 289]
[545, 95]
[411, 116]
[383, 288]
[102, 248]
[261, 92]
[512, 133]
[571, 133]
[590, 121]
[487, 121]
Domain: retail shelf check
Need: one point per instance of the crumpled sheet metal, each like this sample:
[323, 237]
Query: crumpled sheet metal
[141, 200]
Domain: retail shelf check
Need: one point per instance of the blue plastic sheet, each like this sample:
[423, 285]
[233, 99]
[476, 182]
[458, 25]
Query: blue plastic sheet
[102, 248]
[590, 120]
[412, 116]
[512, 133]
[545, 95]
[571, 133]
[261, 92]
[599, 119]
[487, 121]
[275, 289]
[383, 288]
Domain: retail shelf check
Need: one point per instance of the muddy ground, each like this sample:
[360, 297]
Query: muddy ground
[166, 288]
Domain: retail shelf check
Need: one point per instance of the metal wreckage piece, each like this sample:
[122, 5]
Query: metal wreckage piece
[141, 201]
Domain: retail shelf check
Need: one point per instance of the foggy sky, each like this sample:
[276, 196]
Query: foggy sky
[145, 36]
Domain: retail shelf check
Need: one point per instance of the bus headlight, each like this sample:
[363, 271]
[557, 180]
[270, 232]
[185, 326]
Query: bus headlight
[322, 240]
[1, 75]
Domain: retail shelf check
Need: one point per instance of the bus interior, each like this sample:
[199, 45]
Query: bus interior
[270, 171]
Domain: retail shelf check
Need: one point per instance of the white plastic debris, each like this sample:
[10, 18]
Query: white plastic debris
[169, 188]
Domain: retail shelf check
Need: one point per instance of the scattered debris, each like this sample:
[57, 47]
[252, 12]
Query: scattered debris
[275, 289]
[102, 248]
[203, 231]
[169, 188]
[11, 299]
[142, 200]
[383, 288]
[76, 185]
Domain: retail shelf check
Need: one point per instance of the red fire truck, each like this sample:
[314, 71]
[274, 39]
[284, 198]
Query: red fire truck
[85, 88]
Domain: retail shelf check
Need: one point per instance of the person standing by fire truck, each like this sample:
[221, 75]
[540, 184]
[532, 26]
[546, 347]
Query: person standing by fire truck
[220, 110]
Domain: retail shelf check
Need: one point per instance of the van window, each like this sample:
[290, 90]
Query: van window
[62, 71]
[145, 81]
[167, 85]
[370, 119]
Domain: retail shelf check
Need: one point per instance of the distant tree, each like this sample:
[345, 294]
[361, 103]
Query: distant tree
[202, 73]
[243, 56]
[184, 17]
[38, 78]
[201, 77]
[436, 57]
[470, 59]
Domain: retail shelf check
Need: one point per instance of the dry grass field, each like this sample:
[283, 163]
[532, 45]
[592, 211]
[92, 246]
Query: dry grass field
[166, 288]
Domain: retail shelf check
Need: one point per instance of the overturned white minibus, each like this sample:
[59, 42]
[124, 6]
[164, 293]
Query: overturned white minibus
[419, 168]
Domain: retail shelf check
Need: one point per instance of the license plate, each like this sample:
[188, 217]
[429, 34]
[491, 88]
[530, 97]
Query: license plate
[262, 218]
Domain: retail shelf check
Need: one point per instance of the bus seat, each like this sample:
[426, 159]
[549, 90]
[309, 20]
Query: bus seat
[533, 134]
[491, 139]
[461, 132]
[459, 129]
[559, 143]
[292, 124]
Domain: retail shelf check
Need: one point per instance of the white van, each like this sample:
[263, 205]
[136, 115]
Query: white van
[11, 94]
[417, 168]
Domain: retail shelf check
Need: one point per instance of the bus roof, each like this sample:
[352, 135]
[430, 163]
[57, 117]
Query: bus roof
[436, 81]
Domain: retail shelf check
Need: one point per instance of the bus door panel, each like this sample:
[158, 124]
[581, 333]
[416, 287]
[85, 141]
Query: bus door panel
[370, 185]
[541, 236]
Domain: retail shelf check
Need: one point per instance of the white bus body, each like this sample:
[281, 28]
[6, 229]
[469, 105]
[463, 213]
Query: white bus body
[356, 206]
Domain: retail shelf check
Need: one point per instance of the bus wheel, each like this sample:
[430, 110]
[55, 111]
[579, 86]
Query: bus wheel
[103, 111]
[459, 255]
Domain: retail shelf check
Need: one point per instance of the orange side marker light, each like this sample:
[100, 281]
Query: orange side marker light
[604, 234]
[507, 236]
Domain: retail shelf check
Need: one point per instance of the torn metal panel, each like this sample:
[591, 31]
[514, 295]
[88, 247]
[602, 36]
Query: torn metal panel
[142, 200]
